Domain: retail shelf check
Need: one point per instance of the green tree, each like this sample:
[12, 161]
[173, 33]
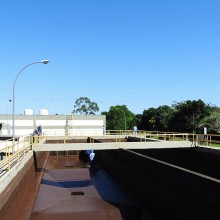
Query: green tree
[118, 117]
[156, 119]
[84, 105]
[148, 119]
[163, 117]
[187, 115]
[138, 118]
[211, 121]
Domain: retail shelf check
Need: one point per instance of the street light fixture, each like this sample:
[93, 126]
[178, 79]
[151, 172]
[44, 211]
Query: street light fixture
[13, 100]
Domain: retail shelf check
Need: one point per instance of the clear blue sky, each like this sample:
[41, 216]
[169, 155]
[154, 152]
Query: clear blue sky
[139, 53]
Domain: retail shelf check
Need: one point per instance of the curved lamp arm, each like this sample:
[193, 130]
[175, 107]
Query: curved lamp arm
[13, 100]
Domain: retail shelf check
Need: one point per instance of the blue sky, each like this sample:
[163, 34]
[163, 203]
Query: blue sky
[139, 53]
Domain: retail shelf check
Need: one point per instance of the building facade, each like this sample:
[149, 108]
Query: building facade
[74, 125]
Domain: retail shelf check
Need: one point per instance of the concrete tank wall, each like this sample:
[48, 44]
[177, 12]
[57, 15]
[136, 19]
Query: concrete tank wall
[190, 158]
[18, 197]
[168, 192]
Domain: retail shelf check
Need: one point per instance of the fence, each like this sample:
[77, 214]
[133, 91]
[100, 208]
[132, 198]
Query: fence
[11, 153]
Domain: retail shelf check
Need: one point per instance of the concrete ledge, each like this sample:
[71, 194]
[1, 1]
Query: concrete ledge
[11, 180]
[111, 145]
[9, 176]
[18, 196]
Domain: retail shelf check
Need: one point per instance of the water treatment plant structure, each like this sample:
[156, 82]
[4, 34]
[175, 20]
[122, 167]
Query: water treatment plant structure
[149, 175]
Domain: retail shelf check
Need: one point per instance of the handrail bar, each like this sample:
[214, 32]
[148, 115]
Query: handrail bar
[12, 152]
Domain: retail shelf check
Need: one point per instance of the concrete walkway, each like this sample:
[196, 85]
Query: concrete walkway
[111, 145]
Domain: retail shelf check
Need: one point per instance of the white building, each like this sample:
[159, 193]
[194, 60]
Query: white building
[76, 125]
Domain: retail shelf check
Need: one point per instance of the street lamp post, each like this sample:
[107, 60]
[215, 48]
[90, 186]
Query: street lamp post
[124, 117]
[13, 100]
[8, 131]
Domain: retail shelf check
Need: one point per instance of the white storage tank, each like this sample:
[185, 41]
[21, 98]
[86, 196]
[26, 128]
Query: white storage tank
[29, 111]
[43, 112]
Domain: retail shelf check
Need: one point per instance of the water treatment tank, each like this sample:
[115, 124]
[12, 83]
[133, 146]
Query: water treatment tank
[43, 112]
[29, 111]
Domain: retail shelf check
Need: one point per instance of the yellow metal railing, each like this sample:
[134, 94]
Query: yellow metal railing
[166, 136]
[11, 153]
[117, 135]
[210, 140]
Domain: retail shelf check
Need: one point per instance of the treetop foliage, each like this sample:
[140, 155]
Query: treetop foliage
[189, 116]
[84, 105]
[119, 118]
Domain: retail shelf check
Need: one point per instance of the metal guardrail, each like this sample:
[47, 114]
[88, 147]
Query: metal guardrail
[12, 153]
[211, 140]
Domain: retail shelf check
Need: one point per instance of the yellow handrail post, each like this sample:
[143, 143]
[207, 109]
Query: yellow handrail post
[16, 152]
[24, 147]
[9, 166]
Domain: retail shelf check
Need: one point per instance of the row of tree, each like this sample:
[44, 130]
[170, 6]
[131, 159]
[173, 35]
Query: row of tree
[187, 116]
